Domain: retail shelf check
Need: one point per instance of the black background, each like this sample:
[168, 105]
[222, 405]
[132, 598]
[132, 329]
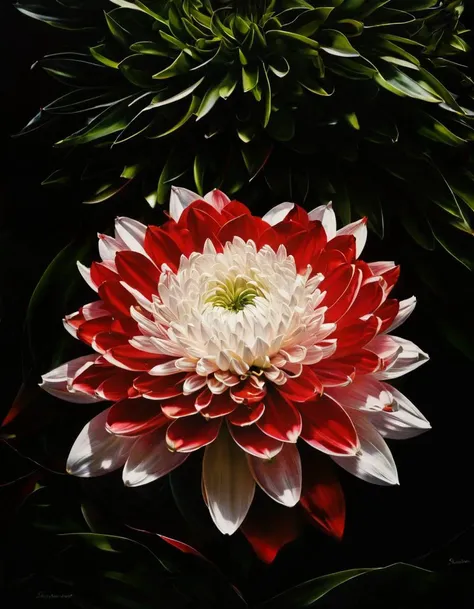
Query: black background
[426, 520]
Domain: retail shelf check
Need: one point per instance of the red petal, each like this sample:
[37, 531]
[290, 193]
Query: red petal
[100, 273]
[89, 329]
[126, 326]
[281, 420]
[204, 207]
[183, 547]
[255, 442]
[117, 386]
[246, 415]
[92, 377]
[234, 209]
[220, 406]
[370, 297]
[336, 284]
[108, 340]
[138, 272]
[246, 393]
[161, 248]
[334, 373]
[364, 362]
[134, 417]
[116, 298]
[306, 247]
[126, 356]
[355, 336]
[190, 433]
[181, 406]
[323, 497]
[201, 227]
[346, 244]
[244, 226]
[159, 387]
[387, 313]
[391, 277]
[340, 308]
[181, 236]
[303, 387]
[328, 261]
[327, 427]
[269, 526]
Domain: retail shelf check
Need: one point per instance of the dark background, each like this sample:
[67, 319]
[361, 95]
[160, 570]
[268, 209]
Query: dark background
[426, 521]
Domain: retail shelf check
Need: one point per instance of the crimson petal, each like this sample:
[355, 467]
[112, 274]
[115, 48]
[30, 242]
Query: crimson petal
[138, 272]
[255, 442]
[134, 417]
[327, 427]
[116, 298]
[281, 420]
[246, 415]
[191, 433]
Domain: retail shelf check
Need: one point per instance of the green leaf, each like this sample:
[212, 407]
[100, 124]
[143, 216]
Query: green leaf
[399, 83]
[250, 76]
[156, 102]
[255, 156]
[97, 53]
[118, 32]
[293, 36]
[193, 106]
[198, 172]
[211, 97]
[279, 66]
[105, 192]
[179, 66]
[267, 97]
[227, 86]
[436, 131]
[149, 48]
[337, 44]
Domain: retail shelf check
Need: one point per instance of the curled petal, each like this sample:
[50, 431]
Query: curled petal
[409, 358]
[150, 459]
[401, 420]
[96, 451]
[57, 382]
[406, 308]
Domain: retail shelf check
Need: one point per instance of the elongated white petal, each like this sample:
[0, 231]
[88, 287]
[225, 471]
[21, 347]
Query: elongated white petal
[86, 275]
[164, 369]
[325, 214]
[108, 247]
[279, 477]
[180, 199]
[409, 358]
[402, 420]
[228, 483]
[57, 382]
[359, 230]
[278, 213]
[378, 268]
[151, 459]
[374, 462]
[365, 394]
[97, 452]
[132, 233]
[406, 309]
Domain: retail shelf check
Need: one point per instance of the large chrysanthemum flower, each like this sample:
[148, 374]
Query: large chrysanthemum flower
[241, 335]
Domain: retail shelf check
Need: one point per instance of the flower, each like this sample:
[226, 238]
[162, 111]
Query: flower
[242, 335]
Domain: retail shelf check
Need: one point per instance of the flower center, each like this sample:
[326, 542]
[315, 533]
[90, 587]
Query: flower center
[233, 293]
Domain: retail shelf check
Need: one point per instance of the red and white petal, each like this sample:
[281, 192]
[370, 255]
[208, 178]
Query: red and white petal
[402, 420]
[180, 199]
[279, 477]
[228, 484]
[108, 246]
[150, 459]
[86, 275]
[188, 434]
[246, 415]
[365, 394]
[217, 199]
[278, 213]
[254, 442]
[280, 420]
[328, 428]
[406, 308]
[373, 462]
[359, 230]
[408, 359]
[96, 451]
[181, 406]
[57, 382]
[133, 417]
[325, 214]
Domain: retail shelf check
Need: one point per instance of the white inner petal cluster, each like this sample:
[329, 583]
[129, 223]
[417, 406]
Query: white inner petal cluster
[241, 311]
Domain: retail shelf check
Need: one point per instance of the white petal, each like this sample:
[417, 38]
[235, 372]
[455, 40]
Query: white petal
[228, 483]
[278, 213]
[150, 459]
[410, 358]
[359, 230]
[325, 214]
[365, 394]
[165, 369]
[97, 452]
[374, 462]
[180, 199]
[378, 268]
[403, 422]
[279, 477]
[56, 381]
[405, 310]
[86, 275]
[193, 383]
[132, 233]
[108, 247]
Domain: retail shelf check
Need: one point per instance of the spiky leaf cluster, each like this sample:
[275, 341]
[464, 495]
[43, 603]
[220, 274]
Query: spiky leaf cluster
[359, 101]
